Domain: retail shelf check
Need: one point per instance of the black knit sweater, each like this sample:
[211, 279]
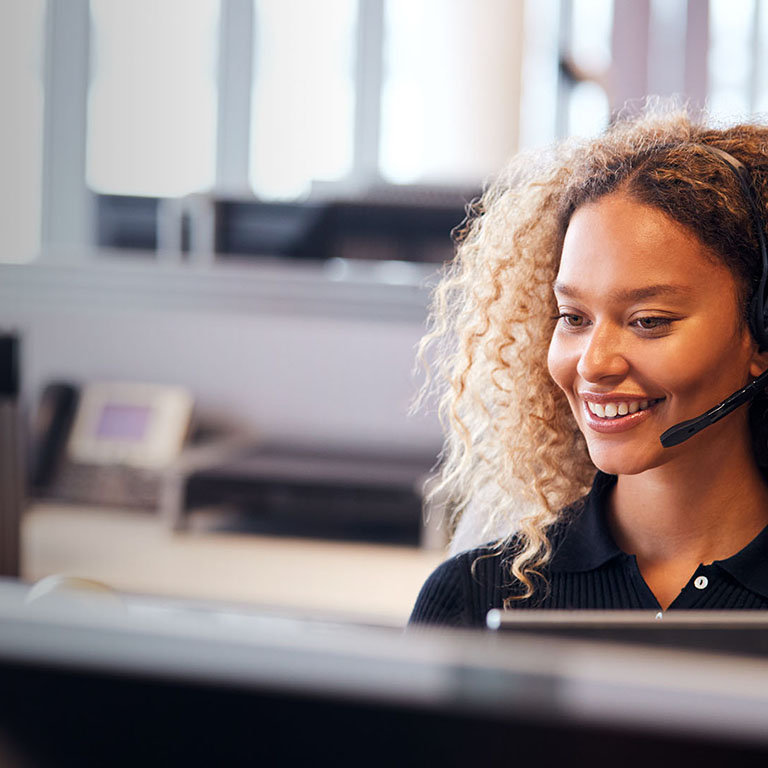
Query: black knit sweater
[587, 571]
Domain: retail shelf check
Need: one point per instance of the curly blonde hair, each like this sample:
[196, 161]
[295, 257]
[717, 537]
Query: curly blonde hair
[510, 434]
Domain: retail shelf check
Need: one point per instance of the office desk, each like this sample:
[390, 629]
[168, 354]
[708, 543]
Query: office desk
[135, 552]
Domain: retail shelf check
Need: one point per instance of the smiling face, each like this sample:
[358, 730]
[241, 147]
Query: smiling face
[649, 335]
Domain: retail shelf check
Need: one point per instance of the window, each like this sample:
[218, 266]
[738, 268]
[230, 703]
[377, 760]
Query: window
[302, 117]
[732, 56]
[450, 91]
[588, 109]
[152, 98]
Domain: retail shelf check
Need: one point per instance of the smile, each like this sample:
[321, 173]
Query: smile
[615, 416]
[615, 410]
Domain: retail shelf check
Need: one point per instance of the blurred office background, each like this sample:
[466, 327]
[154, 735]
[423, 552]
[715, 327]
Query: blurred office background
[249, 198]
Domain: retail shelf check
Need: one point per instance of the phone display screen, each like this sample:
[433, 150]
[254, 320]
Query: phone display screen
[129, 424]
[118, 421]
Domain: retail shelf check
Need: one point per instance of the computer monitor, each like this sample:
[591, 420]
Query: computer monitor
[135, 681]
[742, 633]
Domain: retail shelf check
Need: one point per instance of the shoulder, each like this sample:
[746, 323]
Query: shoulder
[460, 591]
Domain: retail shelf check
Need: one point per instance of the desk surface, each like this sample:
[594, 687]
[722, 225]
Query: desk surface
[135, 552]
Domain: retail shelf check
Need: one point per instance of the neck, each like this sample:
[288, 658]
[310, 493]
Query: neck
[706, 505]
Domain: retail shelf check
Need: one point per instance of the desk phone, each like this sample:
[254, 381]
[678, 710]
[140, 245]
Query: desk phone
[108, 442]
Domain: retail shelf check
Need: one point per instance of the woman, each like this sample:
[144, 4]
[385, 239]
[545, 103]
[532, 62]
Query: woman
[600, 296]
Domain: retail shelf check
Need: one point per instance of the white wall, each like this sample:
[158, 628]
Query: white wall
[294, 355]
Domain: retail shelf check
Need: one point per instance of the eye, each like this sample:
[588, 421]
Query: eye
[653, 324]
[571, 319]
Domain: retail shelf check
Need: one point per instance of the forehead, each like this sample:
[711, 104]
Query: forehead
[619, 245]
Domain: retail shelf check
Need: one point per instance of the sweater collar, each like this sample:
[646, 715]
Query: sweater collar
[587, 542]
[750, 565]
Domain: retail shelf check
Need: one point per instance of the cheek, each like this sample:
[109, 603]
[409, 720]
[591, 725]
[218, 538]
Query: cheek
[561, 364]
[706, 369]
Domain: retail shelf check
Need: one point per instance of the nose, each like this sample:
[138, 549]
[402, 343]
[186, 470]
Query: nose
[602, 356]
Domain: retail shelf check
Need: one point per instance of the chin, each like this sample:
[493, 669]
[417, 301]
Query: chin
[617, 462]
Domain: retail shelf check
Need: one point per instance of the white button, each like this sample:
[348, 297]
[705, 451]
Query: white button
[701, 582]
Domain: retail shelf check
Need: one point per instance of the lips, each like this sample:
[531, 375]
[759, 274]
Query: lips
[609, 414]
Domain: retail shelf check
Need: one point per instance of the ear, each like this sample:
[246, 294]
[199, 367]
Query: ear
[759, 362]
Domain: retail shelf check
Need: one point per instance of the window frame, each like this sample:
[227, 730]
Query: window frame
[68, 206]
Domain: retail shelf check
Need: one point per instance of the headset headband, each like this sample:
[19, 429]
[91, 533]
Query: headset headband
[758, 308]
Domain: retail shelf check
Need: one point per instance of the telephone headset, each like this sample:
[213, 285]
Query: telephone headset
[758, 316]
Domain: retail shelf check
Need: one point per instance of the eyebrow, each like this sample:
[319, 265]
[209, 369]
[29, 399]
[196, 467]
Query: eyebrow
[632, 294]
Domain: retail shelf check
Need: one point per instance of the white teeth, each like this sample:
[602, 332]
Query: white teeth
[612, 410]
